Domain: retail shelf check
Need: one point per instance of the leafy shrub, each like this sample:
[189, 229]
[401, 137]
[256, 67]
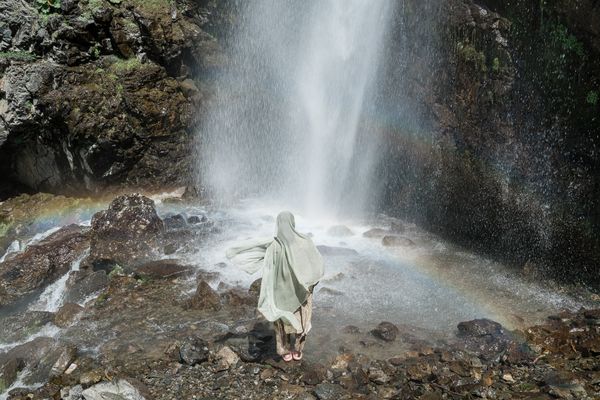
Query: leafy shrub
[48, 6]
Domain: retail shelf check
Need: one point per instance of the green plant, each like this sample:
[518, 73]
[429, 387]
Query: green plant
[95, 51]
[568, 42]
[116, 271]
[592, 97]
[496, 64]
[17, 55]
[47, 6]
[101, 299]
[124, 65]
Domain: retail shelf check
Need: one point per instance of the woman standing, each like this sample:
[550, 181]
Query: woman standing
[291, 267]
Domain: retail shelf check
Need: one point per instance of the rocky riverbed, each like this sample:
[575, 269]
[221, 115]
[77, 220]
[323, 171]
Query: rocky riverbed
[115, 306]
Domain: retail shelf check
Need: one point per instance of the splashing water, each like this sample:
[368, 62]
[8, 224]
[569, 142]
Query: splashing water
[287, 118]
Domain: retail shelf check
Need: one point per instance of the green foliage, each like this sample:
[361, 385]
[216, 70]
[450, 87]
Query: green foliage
[470, 54]
[47, 6]
[116, 271]
[125, 65]
[565, 40]
[4, 229]
[95, 51]
[496, 64]
[100, 300]
[592, 97]
[17, 55]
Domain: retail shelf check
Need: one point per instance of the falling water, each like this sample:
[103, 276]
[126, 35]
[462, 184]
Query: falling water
[288, 117]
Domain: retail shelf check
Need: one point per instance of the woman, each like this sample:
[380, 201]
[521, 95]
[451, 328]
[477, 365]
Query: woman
[291, 267]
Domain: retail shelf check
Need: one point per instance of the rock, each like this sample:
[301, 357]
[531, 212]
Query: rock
[396, 241]
[236, 298]
[336, 251]
[64, 360]
[193, 351]
[329, 391]
[378, 376]
[254, 289]
[205, 298]
[313, 374]
[117, 390]
[128, 233]
[9, 371]
[375, 233]
[351, 329]
[163, 269]
[19, 327]
[479, 327]
[340, 231]
[67, 314]
[176, 221]
[81, 284]
[386, 331]
[195, 219]
[41, 264]
[90, 378]
[72, 393]
[330, 292]
[226, 358]
[397, 227]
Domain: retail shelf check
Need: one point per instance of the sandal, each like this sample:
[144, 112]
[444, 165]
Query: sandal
[297, 355]
[287, 357]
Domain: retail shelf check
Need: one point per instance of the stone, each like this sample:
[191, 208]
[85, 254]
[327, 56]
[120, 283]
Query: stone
[386, 331]
[128, 233]
[117, 390]
[329, 391]
[90, 378]
[226, 358]
[163, 269]
[176, 221]
[479, 327]
[18, 327]
[205, 298]
[351, 330]
[378, 376]
[336, 251]
[72, 393]
[193, 351]
[41, 264]
[396, 241]
[9, 371]
[375, 233]
[67, 314]
[340, 231]
[235, 298]
[254, 289]
[64, 361]
[81, 284]
[313, 374]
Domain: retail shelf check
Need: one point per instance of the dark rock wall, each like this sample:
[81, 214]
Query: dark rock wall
[499, 149]
[103, 92]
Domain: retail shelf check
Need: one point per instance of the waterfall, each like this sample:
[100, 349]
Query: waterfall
[288, 120]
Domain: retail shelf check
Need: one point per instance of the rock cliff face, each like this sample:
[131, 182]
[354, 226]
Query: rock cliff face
[496, 138]
[98, 92]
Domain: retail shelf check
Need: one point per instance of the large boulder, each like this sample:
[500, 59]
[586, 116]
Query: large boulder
[117, 390]
[128, 233]
[205, 298]
[41, 264]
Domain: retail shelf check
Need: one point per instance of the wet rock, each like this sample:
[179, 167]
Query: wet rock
[236, 298]
[386, 331]
[90, 378]
[84, 283]
[378, 376]
[118, 390]
[9, 371]
[127, 233]
[375, 233]
[20, 326]
[329, 391]
[196, 219]
[67, 314]
[65, 359]
[254, 289]
[396, 241]
[330, 292]
[313, 374]
[479, 327]
[226, 358]
[205, 298]
[163, 269]
[336, 251]
[72, 393]
[351, 329]
[41, 264]
[340, 231]
[193, 351]
[176, 221]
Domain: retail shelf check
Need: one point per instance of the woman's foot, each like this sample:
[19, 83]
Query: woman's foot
[287, 357]
[297, 355]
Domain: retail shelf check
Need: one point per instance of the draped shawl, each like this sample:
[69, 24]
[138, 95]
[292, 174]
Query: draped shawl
[291, 265]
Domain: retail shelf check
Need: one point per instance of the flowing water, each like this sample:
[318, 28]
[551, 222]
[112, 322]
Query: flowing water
[287, 118]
